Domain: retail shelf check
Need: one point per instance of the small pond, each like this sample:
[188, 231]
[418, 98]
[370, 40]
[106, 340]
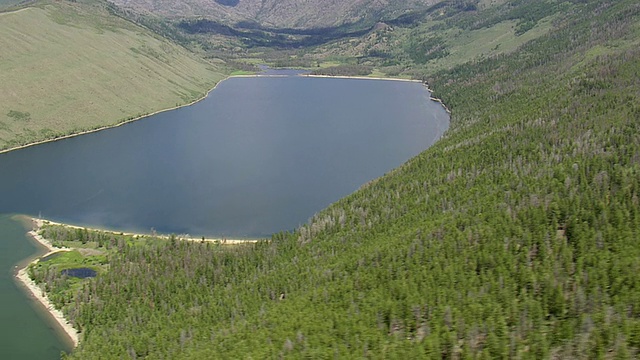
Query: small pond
[81, 273]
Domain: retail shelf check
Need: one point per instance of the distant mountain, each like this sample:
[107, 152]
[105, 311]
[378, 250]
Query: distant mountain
[280, 13]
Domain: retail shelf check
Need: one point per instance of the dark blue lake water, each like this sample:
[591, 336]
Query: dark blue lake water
[257, 156]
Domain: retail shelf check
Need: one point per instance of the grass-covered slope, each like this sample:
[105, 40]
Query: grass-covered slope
[72, 66]
[279, 13]
[446, 34]
[515, 236]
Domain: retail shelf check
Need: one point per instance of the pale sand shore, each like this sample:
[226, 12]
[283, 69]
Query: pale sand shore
[386, 79]
[260, 76]
[41, 222]
[359, 78]
[39, 294]
[441, 103]
[437, 99]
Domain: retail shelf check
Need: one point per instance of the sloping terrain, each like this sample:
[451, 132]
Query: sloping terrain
[279, 13]
[67, 67]
[438, 38]
[515, 236]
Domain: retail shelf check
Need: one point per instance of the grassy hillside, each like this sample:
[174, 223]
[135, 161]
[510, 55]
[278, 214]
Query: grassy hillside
[515, 236]
[279, 13]
[399, 36]
[440, 37]
[72, 66]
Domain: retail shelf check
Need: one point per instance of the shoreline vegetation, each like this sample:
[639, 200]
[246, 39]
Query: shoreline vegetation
[34, 291]
[206, 94]
[39, 223]
[514, 236]
[438, 100]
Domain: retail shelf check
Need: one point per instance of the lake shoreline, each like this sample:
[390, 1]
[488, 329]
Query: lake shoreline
[181, 237]
[107, 127]
[35, 292]
[360, 78]
[435, 99]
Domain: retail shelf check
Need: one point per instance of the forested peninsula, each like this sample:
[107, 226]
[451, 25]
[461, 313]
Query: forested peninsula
[514, 236]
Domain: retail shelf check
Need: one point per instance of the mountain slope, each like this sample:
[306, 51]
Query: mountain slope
[279, 13]
[437, 38]
[515, 236]
[67, 67]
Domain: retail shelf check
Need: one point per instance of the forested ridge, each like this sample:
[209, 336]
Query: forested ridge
[514, 236]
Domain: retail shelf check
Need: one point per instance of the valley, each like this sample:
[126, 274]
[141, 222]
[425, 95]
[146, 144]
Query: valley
[515, 235]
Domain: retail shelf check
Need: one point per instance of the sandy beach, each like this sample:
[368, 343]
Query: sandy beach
[183, 237]
[37, 293]
[359, 78]
[386, 79]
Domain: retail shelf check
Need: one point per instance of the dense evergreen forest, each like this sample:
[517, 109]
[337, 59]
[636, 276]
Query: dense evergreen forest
[514, 236]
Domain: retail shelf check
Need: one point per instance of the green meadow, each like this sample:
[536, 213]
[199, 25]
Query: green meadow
[79, 68]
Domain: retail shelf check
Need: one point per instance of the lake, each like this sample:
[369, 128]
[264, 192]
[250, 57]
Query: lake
[257, 156]
[26, 331]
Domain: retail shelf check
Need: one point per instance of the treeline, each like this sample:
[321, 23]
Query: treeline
[253, 36]
[515, 236]
[526, 12]
[416, 42]
[422, 49]
[344, 70]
